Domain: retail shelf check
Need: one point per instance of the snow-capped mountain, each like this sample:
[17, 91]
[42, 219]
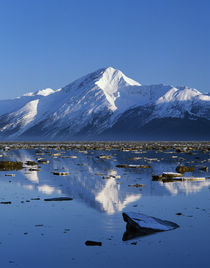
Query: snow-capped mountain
[106, 104]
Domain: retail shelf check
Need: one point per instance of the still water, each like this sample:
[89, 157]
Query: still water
[36, 233]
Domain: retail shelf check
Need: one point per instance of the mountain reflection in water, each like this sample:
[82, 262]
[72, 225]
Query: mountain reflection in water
[85, 182]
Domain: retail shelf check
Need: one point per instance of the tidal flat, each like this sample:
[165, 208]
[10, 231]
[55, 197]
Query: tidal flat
[61, 204]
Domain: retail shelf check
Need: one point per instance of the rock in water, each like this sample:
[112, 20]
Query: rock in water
[189, 178]
[58, 199]
[145, 224]
[93, 243]
[60, 173]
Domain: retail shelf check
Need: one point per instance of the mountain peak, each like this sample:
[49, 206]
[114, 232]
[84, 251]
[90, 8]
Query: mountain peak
[111, 80]
[116, 74]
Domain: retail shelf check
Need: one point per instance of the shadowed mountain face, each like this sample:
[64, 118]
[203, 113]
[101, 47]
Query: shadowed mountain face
[107, 105]
[159, 129]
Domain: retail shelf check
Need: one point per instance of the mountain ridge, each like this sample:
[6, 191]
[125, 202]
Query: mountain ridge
[96, 104]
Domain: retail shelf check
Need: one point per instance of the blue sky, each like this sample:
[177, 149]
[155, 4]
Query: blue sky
[49, 43]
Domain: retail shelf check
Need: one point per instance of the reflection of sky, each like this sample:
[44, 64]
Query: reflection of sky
[109, 195]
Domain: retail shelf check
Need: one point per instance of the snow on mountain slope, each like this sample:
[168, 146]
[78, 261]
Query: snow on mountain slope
[177, 101]
[107, 82]
[88, 97]
[95, 103]
[76, 105]
[19, 114]
[9, 106]
[43, 92]
[111, 82]
[178, 94]
[135, 96]
[22, 117]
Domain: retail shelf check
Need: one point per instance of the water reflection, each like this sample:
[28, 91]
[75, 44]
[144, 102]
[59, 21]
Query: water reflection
[128, 235]
[110, 197]
[85, 182]
[47, 189]
[186, 187]
[32, 176]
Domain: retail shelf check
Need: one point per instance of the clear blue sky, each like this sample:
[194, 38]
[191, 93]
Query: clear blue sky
[49, 43]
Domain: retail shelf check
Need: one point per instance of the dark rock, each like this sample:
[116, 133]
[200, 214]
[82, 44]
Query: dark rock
[34, 169]
[157, 177]
[136, 185]
[60, 173]
[30, 163]
[206, 169]
[59, 199]
[93, 243]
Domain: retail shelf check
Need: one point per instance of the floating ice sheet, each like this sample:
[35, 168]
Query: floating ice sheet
[143, 223]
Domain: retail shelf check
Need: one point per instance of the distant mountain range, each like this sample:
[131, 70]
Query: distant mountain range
[107, 105]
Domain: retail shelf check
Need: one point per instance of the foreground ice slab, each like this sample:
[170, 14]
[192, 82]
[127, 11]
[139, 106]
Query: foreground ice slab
[139, 222]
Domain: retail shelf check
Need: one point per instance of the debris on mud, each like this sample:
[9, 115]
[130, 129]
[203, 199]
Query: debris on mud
[30, 163]
[43, 161]
[137, 185]
[105, 156]
[10, 165]
[132, 166]
[60, 173]
[184, 169]
[166, 176]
